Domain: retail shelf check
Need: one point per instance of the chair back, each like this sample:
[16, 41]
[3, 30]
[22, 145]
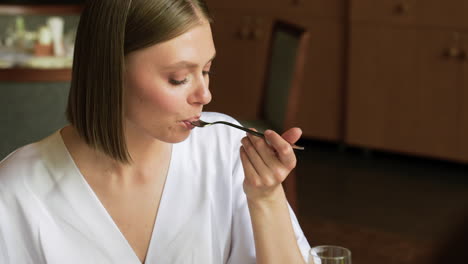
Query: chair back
[284, 75]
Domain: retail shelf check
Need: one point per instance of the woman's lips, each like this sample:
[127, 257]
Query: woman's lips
[188, 124]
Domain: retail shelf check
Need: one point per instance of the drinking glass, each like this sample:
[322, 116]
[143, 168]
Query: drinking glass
[329, 255]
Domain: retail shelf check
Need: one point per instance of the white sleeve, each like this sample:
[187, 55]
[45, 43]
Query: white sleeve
[300, 238]
[242, 244]
[3, 245]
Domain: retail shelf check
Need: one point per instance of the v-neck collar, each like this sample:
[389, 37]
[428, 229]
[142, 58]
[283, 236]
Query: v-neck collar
[163, 210]
[82, 198]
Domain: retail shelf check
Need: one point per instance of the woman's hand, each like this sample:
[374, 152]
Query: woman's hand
[266, 165]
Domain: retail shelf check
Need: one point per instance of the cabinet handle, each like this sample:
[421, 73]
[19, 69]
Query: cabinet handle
[257, 34]
[452, 52]
[402, 8]
[455, 53]
[243, 33]
[245, 28]
[296, 2]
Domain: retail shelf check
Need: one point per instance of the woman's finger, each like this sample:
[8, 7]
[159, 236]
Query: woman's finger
[292, 135]
[269, 157]
[282, 147]
[250, 149]
[251, 175]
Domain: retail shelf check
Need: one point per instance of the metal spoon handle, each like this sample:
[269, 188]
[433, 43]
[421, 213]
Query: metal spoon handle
[255, 133]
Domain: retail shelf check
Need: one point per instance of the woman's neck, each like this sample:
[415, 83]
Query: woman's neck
[150, 158]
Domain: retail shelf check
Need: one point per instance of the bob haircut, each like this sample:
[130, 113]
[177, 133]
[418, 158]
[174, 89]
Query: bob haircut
[107, 32]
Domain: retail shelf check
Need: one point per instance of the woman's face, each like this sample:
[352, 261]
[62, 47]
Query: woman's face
[167, 85]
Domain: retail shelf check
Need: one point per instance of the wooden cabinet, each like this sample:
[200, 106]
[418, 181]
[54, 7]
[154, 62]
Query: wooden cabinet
[405, 88]
[320, 105]
[407, 85]
[242, 38]
[446, 13]
[242, 41]
[312, 9]
[292, 8]
[463, 131]
[390, 11]
[391, 77]
[214, 5]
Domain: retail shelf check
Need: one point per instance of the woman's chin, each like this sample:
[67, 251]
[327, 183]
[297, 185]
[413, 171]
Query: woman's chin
[177, 138]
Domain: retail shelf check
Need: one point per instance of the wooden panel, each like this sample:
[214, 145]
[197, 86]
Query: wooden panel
[244, 4]
[320, 105]
[439, 83]
[442, 12]
[403, 93]
[307, 9]
[393, 11]
[242, 42]
[451, 13]
[35, 75]
[40, 9]
[289, 8]
[463, 132]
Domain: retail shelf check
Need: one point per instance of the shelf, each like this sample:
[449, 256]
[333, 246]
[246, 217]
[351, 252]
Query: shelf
[40, 9]
[35, 75]
[32, 74]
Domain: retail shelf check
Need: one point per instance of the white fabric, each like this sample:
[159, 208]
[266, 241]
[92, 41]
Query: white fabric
[49, 214]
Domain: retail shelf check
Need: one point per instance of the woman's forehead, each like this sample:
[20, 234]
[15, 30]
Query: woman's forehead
[195, 45]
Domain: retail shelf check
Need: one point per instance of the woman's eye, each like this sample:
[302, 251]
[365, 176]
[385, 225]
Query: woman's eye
[178, 82]
[185, 80]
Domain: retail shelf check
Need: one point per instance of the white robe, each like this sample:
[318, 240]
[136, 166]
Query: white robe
[49, 213]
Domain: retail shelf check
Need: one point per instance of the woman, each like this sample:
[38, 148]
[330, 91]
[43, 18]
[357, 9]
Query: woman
[129, 181]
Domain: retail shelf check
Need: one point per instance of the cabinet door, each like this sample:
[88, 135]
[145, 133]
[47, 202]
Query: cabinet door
[442, 12]
[403, 93]
[307, 9]
[417, 12]
[463, 135]
[242, 42]
[389, 11]
[244, 4]
[289, 8]
[320, 104]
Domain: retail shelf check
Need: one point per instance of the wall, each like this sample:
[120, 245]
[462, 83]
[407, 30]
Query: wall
[29, 112]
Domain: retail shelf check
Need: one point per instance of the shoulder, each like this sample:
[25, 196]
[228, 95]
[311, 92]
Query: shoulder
[18, 164]
[18, 169]
[21, 200]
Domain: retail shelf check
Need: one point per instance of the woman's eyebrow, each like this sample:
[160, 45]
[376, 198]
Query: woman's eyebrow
[186, 64]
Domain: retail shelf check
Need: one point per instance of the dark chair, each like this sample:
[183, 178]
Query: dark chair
[282, 86]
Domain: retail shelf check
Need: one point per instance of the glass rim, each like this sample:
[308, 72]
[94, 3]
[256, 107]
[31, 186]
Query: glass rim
[347, 252]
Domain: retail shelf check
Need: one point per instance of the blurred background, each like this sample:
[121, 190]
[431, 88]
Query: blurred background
[380, 89]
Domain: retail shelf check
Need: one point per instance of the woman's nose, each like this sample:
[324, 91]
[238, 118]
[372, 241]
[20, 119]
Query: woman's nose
[201, 93]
